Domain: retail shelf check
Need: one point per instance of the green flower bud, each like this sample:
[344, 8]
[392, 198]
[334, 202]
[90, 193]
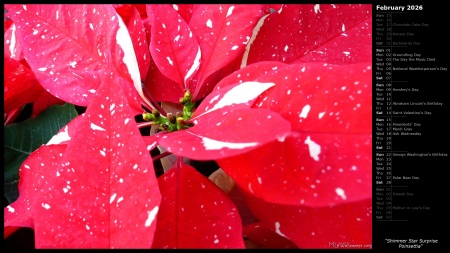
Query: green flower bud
[171, 118]
[148, 116]
[156, 113]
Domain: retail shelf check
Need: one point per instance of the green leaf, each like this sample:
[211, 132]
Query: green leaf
[21, 139]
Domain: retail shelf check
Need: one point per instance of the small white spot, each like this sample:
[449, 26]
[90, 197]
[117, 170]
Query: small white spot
[57, 174]
[65, 190]
[135, 166]
[91, 26]
[277, 229]
[259, 180]
[321, 115]
[92, 91]
[35, 31]
[112, 107]
[175, 7]
[10, 209]
[341, 193]
[121, 180]
[314, 148]
[343, 27]
[163, 25]
[209, 23]
[120, 200]
[151, 216]
[281, 138]
[230, 11]
[305, 111]
[346, 53]
[73, 64]
[216, 241]
[317, 8]
[126, 121]
[176, 38]
[95, 127]
[87, 227]
[169, 60]
[42, 69]
[234, 47]
[46, 206]
[102, 152]
[286, 48]
[112, 198]
[26, 167]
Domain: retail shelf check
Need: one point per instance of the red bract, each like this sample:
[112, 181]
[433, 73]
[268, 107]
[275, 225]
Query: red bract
[21, 85]
[139, 38]
[318, 227]
[69, 53]
[224, 125]
[189, 53]
[327, 148]
[107, 199]
[260, 234]
[173, 47]
[195, 213]
[296, 30]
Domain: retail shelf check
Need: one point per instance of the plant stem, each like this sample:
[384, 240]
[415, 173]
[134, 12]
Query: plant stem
[162, 155]
[145, 124]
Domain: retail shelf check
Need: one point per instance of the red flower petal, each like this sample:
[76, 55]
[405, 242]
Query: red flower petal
[294, 30]
[65, 192]
[21, 86]
[222, 32]
[195, 213]
[324, 227]
[71, 48]
[260, 234]
[223, 133]
[139, 38]
[173, 46]
[328, 158]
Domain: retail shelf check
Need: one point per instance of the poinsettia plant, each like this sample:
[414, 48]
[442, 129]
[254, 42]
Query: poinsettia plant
[258, 117]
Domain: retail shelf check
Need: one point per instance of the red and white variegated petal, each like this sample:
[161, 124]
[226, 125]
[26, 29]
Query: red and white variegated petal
[295, 30]
[328, 158]
[101, 190]
[225, 132]
[222, 31]
[195, 213]
[70, 53]
[173, 47]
